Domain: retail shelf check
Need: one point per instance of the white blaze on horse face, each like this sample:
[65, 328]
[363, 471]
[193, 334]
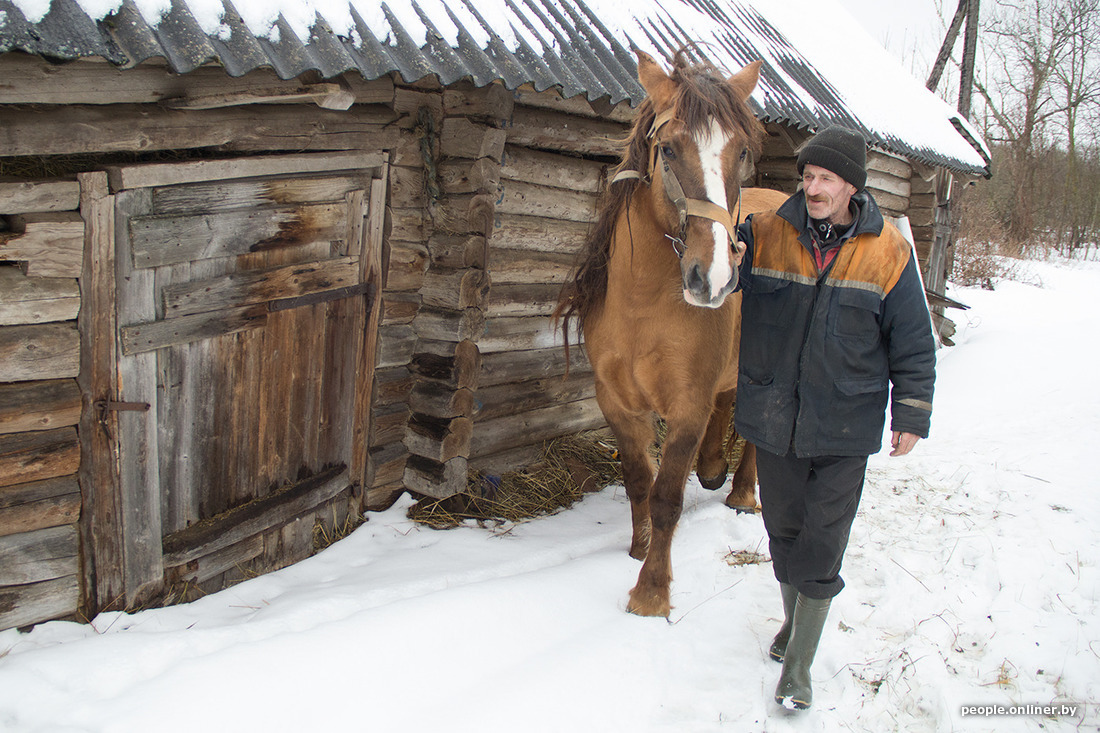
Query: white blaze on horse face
[711, 144]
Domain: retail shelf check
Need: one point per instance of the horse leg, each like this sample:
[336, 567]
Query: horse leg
[711, 467]
[650, 596]
[634, 435]
[742, 497]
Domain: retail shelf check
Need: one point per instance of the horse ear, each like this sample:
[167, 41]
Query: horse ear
[657, 84]
[744, 81]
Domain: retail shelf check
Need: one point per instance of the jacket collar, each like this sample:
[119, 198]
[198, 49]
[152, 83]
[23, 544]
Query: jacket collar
[868, 221]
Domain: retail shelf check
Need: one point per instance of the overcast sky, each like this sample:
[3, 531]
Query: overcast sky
[910, 29]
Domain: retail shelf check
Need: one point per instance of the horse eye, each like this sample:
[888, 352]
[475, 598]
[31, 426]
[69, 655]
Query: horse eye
[744, 153]
[668, 152]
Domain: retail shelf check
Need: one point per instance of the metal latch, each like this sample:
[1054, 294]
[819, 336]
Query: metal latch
[102, 407]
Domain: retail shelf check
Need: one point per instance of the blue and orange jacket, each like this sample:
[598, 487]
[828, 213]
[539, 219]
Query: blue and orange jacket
[820, 350]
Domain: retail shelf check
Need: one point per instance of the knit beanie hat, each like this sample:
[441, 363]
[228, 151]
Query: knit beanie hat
[839, 150]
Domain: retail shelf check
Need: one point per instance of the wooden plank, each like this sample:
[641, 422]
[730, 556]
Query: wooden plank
[371, 261]
[159, 241]
[45, 554]
[246, 288]
[69, 129]
[21, 197]
[138, 446]
[39, 405]
[324, 95]
[50, 245]
[34, 80]
[101, 523]
[25, 300]
[535, 426]
[288, 189]
[143, 337]
[550, 169]
[46, 351]
[234, 557]
[236, 525]
[39, 504]
[22, 605]
[171, 174]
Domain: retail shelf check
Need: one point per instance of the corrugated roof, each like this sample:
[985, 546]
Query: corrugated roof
[574, 46]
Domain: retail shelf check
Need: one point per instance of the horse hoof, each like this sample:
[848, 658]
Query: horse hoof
[712, 484]
[648, 604]
[743, 509]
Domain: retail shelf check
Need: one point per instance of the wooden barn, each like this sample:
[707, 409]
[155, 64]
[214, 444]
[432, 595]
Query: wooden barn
[255, 277]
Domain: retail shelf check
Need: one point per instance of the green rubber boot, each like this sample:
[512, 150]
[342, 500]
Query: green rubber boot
[794, 690]
[779, 643]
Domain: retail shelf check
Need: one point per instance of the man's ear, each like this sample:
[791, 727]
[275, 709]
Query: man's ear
[657, 84]
[745, 80]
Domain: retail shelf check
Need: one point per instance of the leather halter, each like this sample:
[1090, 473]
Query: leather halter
[675, 191]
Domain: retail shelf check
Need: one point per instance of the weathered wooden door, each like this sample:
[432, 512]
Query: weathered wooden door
[246, 304]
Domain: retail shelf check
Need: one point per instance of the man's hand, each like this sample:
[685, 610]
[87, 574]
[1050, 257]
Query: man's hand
[902, 443]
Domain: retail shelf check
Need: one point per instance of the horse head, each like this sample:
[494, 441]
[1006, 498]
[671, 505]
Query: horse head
[702, 138]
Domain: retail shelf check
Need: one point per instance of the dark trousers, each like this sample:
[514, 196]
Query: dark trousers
[808, 506]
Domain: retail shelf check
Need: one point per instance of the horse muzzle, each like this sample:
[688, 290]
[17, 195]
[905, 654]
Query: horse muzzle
[701, 291]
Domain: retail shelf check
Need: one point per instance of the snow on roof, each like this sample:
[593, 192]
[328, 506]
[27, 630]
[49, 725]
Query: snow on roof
[820, 66]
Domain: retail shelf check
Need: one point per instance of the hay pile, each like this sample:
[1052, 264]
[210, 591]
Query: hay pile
[568, 468]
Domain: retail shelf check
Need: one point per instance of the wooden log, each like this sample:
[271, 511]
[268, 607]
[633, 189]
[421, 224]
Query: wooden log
[522, 334]
[543, 130]
[879, 161]
[399, 308]
[325, 95]
[551, 99]
[522, 299]
[456, 252]
[20, 197]
[381, 498]
[508, 367]
[455, 289]
[437, 480]
[387, 424]
[462, 138]
[69, 129]
[406, 265]
[535, 426]
[253, 518]
[890, 204]
[45, 554]
[40, 405]
[439, 439]
[407, 187]
[47, 351]
[455, 365]
[386, 464]
[467, 324]
[469, 176]
[396, 345]
[35, 456]
[23, 605]
[25, 300]
[437, 399]
[533, 267]
[392, 386]
[50, 245]
[34, 80]
[515, 459]
[466, 214]
[513, 399]
[408, 103]
[886, 183]
[39, 505]
[534, 233]
[491, 103]
[528, 199]
[552, 170]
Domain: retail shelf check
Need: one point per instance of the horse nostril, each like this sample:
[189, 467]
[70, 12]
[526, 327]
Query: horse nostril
[695, 282]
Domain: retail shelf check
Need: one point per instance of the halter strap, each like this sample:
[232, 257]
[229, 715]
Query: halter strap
[675, 191]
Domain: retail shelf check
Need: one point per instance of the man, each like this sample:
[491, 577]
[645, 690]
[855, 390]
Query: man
[833, 313]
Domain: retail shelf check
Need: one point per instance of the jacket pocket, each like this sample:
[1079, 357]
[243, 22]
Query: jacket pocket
[861, 385]
[856, 315]
[769, 301]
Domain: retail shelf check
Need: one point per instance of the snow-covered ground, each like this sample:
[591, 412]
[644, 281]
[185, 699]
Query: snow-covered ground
[972, 580]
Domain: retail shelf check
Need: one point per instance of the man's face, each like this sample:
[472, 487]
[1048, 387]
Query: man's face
[827, 194]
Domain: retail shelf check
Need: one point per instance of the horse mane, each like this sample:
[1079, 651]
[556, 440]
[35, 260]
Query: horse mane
[702, 94]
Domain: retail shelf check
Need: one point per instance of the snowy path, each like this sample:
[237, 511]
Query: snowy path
[972, 580]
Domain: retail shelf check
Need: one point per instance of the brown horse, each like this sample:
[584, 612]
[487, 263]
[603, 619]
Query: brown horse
[654, 298]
